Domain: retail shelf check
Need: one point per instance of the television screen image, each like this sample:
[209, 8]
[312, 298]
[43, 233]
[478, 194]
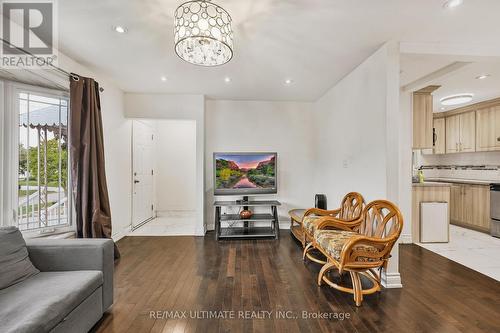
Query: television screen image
[245, 173]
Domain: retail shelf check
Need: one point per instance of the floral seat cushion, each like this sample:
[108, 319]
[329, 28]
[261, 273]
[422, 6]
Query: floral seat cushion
[310, 223]
[332, 242]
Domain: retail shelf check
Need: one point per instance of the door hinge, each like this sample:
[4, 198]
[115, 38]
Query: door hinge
[152, 137]
[152, 172]
[152, 207]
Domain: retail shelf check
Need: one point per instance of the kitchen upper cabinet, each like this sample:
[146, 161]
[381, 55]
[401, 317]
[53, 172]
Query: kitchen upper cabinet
[488, 129]
[423, 118]
[468, 132]
[461, 133]
[452, 134]
[439, 136]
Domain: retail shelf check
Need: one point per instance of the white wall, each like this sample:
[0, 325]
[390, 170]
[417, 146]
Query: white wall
[405, 144]
[175, 175]
[282, 127]
[350, 128]
[357, 128]
[176, 107]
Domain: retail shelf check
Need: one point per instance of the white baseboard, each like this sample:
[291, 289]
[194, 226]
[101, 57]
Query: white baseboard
[200, 232]
[391, 280]
[122, 233]
[405, 239]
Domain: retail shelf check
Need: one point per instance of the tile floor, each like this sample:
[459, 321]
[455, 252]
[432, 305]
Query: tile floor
[476, 250]
[172, 223]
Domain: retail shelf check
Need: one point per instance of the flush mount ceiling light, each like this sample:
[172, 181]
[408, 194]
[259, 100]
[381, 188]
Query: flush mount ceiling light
[456, 99]
[203, 34]
[163, 79]
[288, 82]
[482, 76]
[227, 79]
[452, 3]
[119, 29]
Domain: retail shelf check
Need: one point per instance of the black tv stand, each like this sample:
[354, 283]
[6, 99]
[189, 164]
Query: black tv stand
[243, 201]
[248, 230]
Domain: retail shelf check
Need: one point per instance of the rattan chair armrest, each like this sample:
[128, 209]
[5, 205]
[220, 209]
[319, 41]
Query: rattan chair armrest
[322, 212]
[361, 239]
[332, 222]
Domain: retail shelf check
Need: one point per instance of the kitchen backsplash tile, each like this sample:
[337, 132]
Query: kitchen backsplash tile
[461, 173]
[472, 166]
[478, 158]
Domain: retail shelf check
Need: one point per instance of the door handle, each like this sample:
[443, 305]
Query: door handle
[136, 181]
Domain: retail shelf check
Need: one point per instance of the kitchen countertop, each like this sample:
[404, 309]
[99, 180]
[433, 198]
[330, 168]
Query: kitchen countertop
[431, 184]
[461, 181]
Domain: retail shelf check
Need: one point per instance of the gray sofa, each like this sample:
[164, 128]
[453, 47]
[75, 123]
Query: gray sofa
[71, 292]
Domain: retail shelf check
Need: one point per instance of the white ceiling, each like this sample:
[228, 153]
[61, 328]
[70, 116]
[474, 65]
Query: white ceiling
[313, 42]
[464, 81]
[460, 81]
[416, 66]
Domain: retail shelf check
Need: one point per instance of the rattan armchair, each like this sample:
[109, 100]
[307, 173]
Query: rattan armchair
[362, 253]
[347, 217]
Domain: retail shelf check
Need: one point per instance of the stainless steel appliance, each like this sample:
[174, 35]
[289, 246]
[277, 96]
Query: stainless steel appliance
[495, 210]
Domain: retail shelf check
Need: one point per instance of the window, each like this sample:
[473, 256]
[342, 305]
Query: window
[41, 172]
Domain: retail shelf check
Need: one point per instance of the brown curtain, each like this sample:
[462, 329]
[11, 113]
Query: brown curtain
[90, 191]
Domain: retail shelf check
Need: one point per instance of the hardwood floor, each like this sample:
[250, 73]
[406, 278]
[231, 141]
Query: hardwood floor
[199, 274]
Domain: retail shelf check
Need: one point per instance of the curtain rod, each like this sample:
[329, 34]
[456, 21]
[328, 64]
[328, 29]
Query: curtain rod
[74, 76]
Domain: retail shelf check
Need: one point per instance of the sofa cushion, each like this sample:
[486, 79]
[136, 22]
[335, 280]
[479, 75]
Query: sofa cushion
[332, 242]
[310, 223]
[39, 303]
[15, 264]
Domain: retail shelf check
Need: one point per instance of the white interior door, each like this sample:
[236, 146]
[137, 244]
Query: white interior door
[143, 134]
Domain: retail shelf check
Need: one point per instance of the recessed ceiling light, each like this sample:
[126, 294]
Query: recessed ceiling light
[456, 99]
[443, 108]
[482, 76]
[120, 29]
[163, 78]
[227, 79]
[453, 3]
[288, 82]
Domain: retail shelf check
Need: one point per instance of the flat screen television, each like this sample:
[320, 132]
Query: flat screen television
[245, 173]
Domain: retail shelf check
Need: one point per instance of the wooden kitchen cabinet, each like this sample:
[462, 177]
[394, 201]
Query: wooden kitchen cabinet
[488, 129]
[470, 206]
[480, 207]
[456, 204]
[439, 136]
[452, 134]
[468, 132]
[423, 118]
[461, 133]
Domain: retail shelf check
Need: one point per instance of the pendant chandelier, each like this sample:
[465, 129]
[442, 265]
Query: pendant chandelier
[203, 34]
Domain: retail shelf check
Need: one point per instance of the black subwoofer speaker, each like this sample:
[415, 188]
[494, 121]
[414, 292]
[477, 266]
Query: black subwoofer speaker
[320, 201]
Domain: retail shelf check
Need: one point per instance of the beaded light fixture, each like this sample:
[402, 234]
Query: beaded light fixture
[203, 34]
